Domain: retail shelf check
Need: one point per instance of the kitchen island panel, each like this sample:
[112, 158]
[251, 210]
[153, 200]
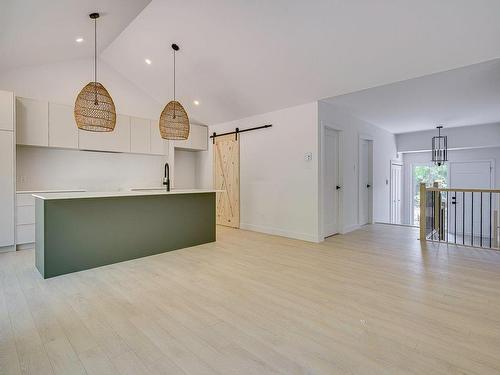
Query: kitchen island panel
[78, 234]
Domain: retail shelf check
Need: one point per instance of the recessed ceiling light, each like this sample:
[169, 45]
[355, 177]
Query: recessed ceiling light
[79, 40]
[196, 102]
[148, 61]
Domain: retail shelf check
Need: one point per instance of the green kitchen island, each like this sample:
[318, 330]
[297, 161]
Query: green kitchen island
[78, 231]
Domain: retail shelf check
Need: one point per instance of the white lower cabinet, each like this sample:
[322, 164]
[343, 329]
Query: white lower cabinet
[63, 131]
[25, 218]
[7, 186]
[25, 234]
[117, 140]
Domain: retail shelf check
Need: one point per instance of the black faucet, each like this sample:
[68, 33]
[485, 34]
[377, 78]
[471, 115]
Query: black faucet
[166, 178]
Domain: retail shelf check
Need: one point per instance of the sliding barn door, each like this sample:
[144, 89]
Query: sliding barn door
[227, 179]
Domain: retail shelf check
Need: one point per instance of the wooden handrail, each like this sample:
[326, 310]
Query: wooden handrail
[464, 190]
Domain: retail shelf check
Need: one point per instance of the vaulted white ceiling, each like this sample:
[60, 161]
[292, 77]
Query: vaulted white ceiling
[240, 57]
[35, 32]
[459, 97]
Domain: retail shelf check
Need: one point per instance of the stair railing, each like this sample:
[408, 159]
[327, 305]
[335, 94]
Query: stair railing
[468, 217]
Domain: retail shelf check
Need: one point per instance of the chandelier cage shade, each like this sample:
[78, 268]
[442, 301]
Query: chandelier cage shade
[174, 120]
[439, 148]
[94, 108]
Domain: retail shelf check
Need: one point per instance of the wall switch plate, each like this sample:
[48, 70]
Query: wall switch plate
[308, 156]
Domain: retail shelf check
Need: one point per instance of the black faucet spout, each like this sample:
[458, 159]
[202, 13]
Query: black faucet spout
[166, 177]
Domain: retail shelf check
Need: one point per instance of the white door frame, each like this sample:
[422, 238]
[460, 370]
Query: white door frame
[400, 163]
[365, 137]
[322, 163]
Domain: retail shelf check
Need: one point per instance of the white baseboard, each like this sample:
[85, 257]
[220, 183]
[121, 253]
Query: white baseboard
[279, 232]
[26, 246]
[6, 249]
[350, 228]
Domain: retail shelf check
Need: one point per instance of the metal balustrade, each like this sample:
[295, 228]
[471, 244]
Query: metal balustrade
[468, 217]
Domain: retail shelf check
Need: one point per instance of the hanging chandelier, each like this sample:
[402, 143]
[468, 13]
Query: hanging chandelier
[439, 148]
[94, 107]
[174, 121]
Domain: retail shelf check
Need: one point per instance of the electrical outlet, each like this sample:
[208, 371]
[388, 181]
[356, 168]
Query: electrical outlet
[308, 156]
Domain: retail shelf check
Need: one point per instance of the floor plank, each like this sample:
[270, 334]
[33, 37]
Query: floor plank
[373, 301]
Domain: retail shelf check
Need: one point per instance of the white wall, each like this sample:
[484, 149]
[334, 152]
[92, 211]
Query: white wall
[462, 137]
[409, 159]
[61, 83]
[41, 168]
[278, 188]
[384, 150]
[186, 169]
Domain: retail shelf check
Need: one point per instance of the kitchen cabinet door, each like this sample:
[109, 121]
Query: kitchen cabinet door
[197, 141]
[140, 138]
[6, 188]
[32, 122]
[159, 146]
[63, 131]
[117, 140]
[6, 110]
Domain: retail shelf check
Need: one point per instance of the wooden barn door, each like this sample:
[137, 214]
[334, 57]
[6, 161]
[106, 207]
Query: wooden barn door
[227, 178]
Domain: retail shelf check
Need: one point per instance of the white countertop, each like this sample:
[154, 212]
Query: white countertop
[49, 191]
[108, 194]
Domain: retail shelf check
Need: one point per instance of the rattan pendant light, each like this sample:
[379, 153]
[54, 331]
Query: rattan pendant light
[174, 121]
[94, 107]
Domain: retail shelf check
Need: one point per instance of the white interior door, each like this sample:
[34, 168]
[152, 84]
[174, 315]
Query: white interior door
[396, 170]
[469, 175]
[331, 182]
[365, 181]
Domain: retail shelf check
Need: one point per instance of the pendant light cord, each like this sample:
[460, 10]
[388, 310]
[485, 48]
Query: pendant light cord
[95, 61]
[173, 116]
[174, 74]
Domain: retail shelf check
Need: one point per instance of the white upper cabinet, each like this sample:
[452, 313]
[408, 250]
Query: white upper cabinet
[117, 140]
[40, 123]
[197, 141]
[63, 131]
[6, 110]
[32, 122]
[140, 137]
[159, 146]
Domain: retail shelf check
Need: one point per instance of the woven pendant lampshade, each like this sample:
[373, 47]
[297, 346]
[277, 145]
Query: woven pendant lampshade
[95, 115]
[94, 108]
[174, 120]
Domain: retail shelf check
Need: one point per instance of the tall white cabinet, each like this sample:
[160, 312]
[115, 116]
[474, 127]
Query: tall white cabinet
[7, 170]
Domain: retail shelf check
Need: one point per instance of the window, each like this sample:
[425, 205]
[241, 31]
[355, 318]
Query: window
[428, 174]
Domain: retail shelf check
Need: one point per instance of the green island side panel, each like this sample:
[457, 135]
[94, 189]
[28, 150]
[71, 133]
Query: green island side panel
[78, 234]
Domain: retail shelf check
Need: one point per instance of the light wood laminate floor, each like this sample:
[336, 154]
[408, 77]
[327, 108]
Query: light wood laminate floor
[369, 302]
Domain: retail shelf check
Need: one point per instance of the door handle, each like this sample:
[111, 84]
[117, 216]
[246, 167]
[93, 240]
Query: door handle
[368, 186]
[337, 187]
